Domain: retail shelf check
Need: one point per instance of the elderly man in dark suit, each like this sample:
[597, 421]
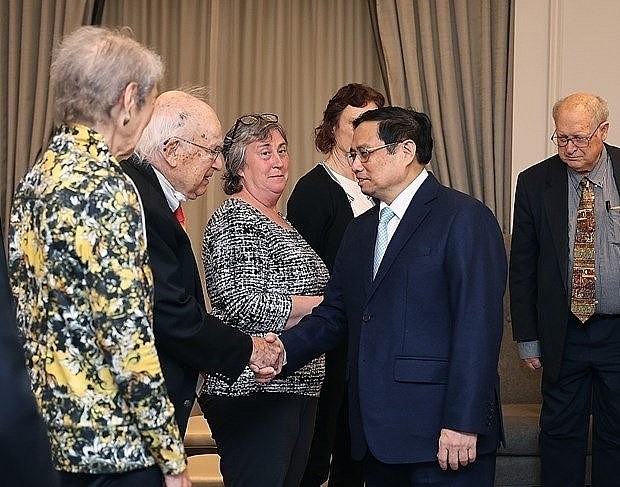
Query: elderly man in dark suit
[178, 152]
[25, 457]
[417, 288]
[565, 292]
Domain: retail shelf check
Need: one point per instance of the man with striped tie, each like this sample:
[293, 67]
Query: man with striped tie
[417, 293]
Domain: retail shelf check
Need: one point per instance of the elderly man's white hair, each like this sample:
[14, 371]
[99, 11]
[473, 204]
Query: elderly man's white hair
[174, 114]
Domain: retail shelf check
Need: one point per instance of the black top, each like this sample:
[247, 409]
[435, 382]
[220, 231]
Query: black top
[320, 211]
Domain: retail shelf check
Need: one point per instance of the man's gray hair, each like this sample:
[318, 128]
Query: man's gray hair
[91, 69]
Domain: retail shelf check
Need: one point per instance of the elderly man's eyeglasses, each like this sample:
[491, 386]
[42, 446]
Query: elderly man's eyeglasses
[247, 120]
[579, 142]
[212, 152]
[364, 152]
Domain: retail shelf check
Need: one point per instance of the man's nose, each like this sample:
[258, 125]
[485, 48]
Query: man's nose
[217, 163]
[357, 166]
[570, 146]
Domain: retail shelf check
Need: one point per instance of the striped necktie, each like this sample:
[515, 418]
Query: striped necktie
[583, 298]
[382, 237]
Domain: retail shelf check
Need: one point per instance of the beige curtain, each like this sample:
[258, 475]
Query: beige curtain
[282, 56]
[450, 59]
[28, 31]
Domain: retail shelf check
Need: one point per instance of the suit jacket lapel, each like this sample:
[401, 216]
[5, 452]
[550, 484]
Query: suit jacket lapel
[416, 212]
[555, 199]
[367, 245]
[614, 154]
[155, 193]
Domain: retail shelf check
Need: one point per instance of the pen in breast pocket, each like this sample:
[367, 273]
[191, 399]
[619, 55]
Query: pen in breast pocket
[609, 207]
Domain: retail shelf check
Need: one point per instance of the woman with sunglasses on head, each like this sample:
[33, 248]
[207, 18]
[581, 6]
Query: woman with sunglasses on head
[261, 276]
[321, 206]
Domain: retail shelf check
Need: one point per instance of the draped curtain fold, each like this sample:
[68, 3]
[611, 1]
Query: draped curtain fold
[450, 59]
[28, 32]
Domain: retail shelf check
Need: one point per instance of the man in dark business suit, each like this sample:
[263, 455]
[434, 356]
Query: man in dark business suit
[423, 333]
[25, 457]
[177, 154]
[576, 345]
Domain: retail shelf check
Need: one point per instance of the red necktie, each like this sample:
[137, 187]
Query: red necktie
[180, 216]
[583, 299]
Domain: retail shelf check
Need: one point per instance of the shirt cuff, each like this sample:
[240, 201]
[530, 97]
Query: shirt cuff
[530, 349]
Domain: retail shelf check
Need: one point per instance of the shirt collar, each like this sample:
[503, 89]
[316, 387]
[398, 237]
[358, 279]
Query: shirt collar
[401, 203]
[173, 197]
[597, 173]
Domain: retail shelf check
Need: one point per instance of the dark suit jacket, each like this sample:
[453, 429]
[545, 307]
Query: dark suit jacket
[25, 457]
[424, 336]
[539, 299]
[188, 339]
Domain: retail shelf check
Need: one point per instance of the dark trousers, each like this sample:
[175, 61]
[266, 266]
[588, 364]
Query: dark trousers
[145, 477]
[481, 473]
[589, 383]
[330, 453]
[263, 439]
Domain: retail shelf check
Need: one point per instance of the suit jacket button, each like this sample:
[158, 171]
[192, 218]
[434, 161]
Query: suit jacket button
[366, 317]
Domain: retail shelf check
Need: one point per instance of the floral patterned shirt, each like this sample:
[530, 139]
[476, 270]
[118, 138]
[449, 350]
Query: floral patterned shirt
[253, 266]
[81, 278]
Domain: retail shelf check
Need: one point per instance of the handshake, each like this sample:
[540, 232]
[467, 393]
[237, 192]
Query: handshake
[267, 357]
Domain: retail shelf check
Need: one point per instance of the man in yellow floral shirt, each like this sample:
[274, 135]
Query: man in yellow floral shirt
[81, 277]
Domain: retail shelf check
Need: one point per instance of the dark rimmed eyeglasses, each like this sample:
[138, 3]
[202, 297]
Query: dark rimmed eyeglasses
[579, 142]
[247, 120]
[364, 152]
[213, 152]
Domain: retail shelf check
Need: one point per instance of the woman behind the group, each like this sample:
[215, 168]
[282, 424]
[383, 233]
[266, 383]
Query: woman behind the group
[80, 274]
[263, 277]
[321, 206]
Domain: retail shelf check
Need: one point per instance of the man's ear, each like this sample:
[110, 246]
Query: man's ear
[170, 149]
[604, 130]
[410, 149]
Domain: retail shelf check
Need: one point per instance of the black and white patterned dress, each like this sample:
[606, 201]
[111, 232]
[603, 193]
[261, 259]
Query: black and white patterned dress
[253, 266]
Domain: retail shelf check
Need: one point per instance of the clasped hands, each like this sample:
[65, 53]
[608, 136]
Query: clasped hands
[267, 357]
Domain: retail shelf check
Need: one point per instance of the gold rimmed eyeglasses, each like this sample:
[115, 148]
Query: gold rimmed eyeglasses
[213, 152]
[578, 141]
